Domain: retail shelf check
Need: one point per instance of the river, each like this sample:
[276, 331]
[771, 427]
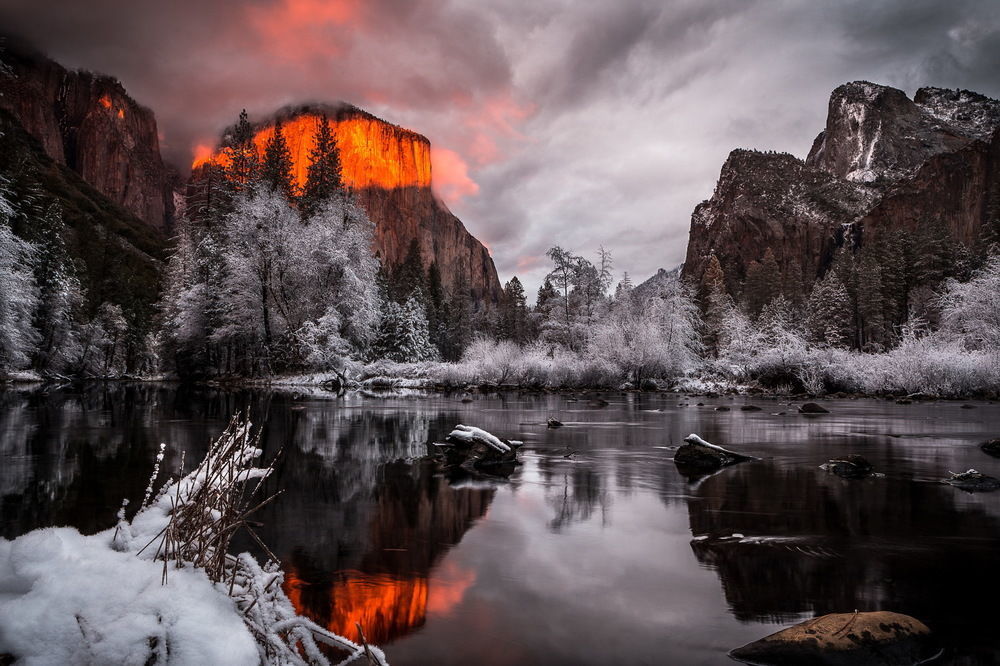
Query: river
[595, 550]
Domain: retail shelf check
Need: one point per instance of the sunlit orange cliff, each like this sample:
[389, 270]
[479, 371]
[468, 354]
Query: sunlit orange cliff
[389, 170]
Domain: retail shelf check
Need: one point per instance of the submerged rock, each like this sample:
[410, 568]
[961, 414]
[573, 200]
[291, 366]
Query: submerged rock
[722, 408]
[973, 481]
[844, 639]
[475, 449]
[991, 448]
[813, 408]
[554, 423]
[851, 466]
[597, 403]
[750, 408]
[696, 456]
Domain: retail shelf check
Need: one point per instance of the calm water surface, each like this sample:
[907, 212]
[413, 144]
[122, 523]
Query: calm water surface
[596, 550]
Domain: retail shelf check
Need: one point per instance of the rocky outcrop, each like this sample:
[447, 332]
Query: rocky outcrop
[843, 639]
[883, 163]
[389, 170]
[88, 123]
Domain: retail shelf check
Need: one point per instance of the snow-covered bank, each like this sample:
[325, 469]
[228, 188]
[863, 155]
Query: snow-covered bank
[161, 588]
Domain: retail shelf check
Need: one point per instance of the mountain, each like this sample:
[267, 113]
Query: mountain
[88, 123]
[117, 257]
[884, 163]
[389, 169]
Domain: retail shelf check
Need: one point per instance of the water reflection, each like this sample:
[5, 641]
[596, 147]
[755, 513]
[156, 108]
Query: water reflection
[415, 517]
[596, 550]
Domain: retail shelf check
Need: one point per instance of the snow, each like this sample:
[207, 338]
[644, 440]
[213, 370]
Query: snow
[67, 598]
[111, 598]
[470, 433]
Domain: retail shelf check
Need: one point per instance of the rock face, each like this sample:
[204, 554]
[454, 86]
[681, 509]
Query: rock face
[389, 169]
[883, 163]
[87, 122]
[842, 639]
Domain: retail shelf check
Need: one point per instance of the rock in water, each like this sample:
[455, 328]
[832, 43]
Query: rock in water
[813, 408]
[991, 448]
[554, 423]
[696, 456]
[749, 408]
[851, 466]
[974, 482]
[844, 639]
[598, 403]
[475, 449]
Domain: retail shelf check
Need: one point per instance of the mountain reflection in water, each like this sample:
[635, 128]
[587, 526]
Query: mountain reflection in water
[596, 550]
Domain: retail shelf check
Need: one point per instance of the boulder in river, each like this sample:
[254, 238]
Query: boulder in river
[696, 456]
[554, 423]
[973, 481]
[598, 403]
[991, 448]
[845, 639]
[475, 449]
[813, 408]
[851, 466]
[749, 408]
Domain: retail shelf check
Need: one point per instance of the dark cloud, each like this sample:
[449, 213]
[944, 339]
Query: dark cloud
[583, 122]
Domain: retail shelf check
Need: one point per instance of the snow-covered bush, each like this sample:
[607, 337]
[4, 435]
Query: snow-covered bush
[162, 588]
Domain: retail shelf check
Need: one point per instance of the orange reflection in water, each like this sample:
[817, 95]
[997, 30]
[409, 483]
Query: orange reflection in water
[372, 152]
[387, 606]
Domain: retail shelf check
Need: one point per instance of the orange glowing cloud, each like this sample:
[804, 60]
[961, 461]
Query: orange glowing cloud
[299, 29]
[451, 176]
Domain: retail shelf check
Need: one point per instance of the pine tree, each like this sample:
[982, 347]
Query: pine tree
[513, 315]
[244, 164]
[935, 249]
[459, 325]
[409, 277]
[276, 168]
[435, 304]
[762, 284]
[60, 296]
[323, 176]
[829, 311]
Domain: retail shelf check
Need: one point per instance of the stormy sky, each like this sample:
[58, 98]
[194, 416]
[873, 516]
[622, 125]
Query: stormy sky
[573, 122]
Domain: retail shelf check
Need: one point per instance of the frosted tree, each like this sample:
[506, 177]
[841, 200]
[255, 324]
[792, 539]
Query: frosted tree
[828, 311]
[60, 296]
[651, 336]
[970, 311]
[402, 335]
[582, 292]
[18, 293]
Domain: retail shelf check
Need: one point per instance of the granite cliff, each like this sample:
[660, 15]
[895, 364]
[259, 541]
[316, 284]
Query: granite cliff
[88, 123]
[883, 163]
[389, 169]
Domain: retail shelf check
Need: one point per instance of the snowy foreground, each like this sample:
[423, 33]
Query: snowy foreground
[161, 589]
